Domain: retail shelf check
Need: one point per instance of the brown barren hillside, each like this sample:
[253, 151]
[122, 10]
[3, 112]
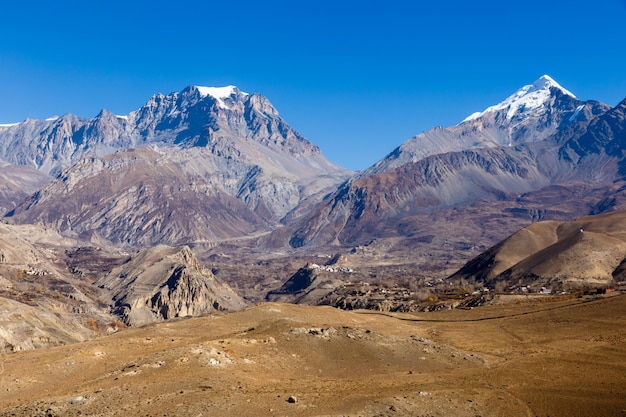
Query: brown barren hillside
[585, 252]
[545, 356]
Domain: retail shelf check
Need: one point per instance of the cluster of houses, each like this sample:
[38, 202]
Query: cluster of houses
[328, 268]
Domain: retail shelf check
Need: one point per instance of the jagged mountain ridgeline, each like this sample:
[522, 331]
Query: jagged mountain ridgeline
[212, 164]
[533, 113]
[221, 119]
[202, 164]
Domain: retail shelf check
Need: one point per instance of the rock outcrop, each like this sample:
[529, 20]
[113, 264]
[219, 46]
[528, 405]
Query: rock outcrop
[165, 282]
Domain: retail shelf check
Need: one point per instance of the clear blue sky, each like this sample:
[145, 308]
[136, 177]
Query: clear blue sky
[357, 78]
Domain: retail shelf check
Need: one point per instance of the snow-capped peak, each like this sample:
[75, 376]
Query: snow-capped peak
[219, 93]
[526, 98]
[545, 82]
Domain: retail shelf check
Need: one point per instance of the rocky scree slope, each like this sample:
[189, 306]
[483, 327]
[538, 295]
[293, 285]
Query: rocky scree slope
[138, 197]
[18, 183]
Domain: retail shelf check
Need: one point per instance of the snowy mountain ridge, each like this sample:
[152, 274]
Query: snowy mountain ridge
[197, 116]
[529, 97]
[220, 93]
[533, 113]
[182, 158]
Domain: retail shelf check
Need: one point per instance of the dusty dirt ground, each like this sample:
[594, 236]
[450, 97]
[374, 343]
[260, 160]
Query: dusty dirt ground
[541, 357]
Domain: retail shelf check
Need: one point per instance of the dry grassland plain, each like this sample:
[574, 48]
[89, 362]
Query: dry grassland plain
[545, 356]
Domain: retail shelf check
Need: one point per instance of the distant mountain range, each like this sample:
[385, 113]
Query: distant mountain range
[212, 164]
[113, 210]
[221, 119]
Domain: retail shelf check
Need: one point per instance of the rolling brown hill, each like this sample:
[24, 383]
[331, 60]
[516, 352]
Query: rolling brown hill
[563, 255]
[539, 357]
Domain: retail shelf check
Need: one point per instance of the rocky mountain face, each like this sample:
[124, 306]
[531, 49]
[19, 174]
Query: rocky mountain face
[577, 144]
[533, 113]
[138, 197]
[165, 282]
[604, 135]
[196, 116]
[202, 164]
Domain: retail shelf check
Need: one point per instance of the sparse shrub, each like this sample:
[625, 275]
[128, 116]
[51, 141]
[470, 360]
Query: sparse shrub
[500, 286]
[422, 295]
[118, 325]
[93, 325]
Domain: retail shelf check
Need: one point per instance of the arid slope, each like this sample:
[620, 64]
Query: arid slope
[538, 357]
[587, 251]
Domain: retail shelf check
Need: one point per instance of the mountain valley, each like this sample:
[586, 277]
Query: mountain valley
[211, 239]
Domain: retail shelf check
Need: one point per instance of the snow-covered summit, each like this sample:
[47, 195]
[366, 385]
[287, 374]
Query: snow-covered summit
[220, 93]
[529, 97]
